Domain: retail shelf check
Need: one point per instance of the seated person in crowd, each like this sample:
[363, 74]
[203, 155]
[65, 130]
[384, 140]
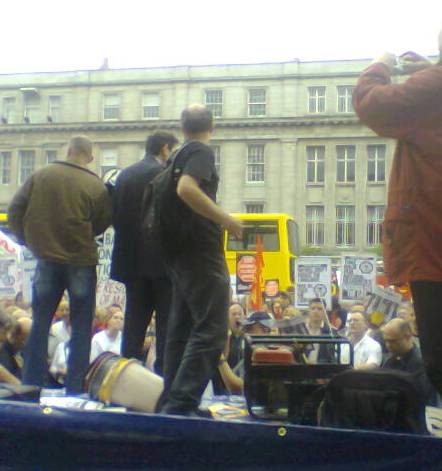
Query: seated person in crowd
[367, 352]
[108, 340]
[404, 355]
[258, 323]
[236, 336]
[100, 320]
[317, 325]
[60, 330]
[17, 332]
[59, 363]
[406, 312]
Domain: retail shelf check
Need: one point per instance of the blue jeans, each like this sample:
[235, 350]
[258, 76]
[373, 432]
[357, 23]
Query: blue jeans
[50, 281]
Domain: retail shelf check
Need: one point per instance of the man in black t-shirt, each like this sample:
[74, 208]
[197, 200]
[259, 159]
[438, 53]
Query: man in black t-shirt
[197, 328]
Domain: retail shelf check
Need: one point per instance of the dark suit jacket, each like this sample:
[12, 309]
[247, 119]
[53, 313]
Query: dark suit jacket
[131, 258]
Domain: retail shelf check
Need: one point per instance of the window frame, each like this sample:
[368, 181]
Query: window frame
[348, 108]
[317, 99]
[376, 161]
[315, 225]
[23, 176]
[216, 107]
[316, 161]
[347, 162]
[156, 107]
[5, 171]
[374, 224]
[348, 226]
[251, 103]
[255, 167]
[118, 107]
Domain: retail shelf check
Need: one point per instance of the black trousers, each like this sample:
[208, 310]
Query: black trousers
[197, 330]
[427, 300]
[143, 296]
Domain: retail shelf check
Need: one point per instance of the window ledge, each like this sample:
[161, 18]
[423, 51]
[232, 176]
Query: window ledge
[376, 183]
[255, 183]
[346, 183]
[314, 185]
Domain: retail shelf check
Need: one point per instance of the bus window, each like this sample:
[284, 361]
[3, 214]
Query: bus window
[268, 230]
[293, 236]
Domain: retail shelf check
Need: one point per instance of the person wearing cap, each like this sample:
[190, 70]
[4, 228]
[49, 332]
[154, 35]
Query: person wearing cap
[258, 323]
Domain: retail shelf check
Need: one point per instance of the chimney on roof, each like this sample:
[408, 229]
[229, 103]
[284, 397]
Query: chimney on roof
[105, 64]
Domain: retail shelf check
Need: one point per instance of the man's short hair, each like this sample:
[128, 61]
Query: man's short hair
[316, 300]
[80, 145]
[196, 119]
[156, 141]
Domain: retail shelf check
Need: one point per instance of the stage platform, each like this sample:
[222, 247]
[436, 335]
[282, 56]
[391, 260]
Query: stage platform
[38, 437]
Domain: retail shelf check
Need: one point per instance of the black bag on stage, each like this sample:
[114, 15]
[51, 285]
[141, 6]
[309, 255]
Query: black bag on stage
[19, 392]
[380, 399]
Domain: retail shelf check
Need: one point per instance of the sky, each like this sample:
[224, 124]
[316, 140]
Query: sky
[56, 35]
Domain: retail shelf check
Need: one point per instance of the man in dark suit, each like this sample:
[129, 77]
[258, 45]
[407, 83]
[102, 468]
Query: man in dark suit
[137, 265]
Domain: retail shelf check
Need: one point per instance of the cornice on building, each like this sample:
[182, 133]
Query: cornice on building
[175, 124]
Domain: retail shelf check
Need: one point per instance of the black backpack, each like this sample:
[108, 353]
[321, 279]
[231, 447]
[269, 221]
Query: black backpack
[379, 399]
[166, 220]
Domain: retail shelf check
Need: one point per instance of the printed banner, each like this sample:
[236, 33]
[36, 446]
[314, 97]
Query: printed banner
[312, 280]
[108, 291]
[358, 277]
[245, 272]
[10, 275]
[382, 305]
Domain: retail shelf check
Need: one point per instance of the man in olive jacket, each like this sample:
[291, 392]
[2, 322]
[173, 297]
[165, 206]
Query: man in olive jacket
[57, 213]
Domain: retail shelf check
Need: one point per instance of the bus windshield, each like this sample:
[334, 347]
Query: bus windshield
[268, 230]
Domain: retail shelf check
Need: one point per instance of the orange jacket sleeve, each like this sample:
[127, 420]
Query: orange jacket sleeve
[395, 110]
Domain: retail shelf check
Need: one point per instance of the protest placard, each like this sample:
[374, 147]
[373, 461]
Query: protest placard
[312, 280]
[358, 276]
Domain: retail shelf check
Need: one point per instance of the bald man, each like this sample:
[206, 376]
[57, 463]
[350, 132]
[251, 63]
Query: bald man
[57, 213]
[404, 355]
[197, 328]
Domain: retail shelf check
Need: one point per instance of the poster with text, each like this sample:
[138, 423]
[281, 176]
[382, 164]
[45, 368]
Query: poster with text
[108, 291]
[358, 277]
[312, 280]
[245, 272]
[382, 305]
[10, 275]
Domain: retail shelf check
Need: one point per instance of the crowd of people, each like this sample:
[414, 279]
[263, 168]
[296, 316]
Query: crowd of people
[179, 271]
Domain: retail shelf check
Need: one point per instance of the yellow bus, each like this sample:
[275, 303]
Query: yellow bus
[279, 234]
[4, 222]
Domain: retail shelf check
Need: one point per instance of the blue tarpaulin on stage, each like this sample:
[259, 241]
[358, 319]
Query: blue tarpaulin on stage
[38, 437]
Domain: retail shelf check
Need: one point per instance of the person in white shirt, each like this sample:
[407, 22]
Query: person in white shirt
[61, 330]
[59, 363]
[108, 340]
[367, 352]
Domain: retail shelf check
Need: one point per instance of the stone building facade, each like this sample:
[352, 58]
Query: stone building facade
[286, 138]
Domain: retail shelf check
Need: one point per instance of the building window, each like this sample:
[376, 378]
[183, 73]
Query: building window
[345, 163]
[32, 108]
[345, 104]
[27, 164]
[8, 111]
[111, 106]
[214, 102]
[315, 164]
[5, 168]
[315, 226]
[254, 207]
[316, 99]
[376, 163]
[257, 102]
[217, 154]
[345, 226]
[375, 217]
[109, 160]
[255, 163]
[54, 109]
[51, 156]
[151, 105]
